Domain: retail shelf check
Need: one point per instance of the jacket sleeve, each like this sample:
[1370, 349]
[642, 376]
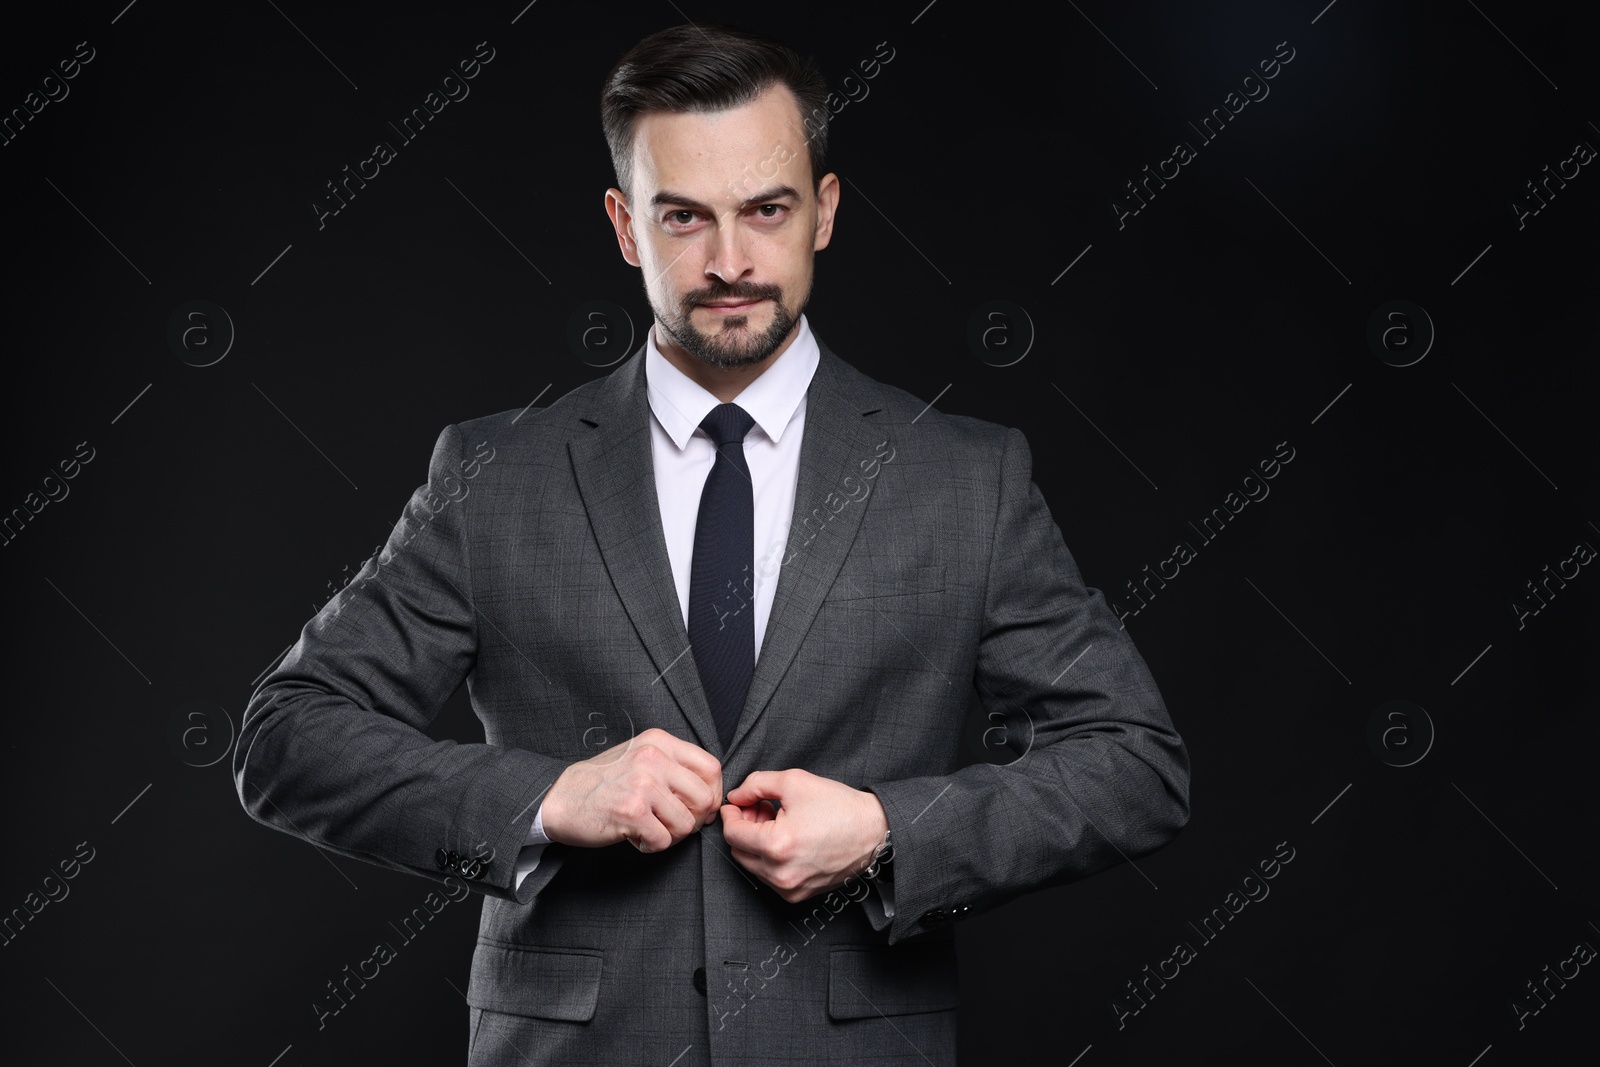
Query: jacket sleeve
[332, 748]
[1103, 775]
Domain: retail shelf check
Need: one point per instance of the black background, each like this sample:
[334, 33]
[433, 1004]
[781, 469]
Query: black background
[222, 507]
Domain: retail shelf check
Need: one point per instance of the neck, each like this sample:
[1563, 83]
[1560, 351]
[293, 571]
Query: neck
[724, 383]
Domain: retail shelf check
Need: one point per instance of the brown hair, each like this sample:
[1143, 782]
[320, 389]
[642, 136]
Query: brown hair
[707, 68]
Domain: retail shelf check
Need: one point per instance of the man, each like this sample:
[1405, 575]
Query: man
[766, 589]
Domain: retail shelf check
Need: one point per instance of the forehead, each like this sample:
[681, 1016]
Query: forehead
[716, 154]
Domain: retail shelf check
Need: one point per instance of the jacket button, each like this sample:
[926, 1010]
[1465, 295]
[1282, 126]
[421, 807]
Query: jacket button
[442, 859]
[700, 980]
[936, 917]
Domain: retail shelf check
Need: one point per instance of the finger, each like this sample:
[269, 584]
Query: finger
[752, 813]
[757, 865]
[648, 835]
[749, 835]
[700, 799]
[668, 810]
[758, 785]
[703, 764]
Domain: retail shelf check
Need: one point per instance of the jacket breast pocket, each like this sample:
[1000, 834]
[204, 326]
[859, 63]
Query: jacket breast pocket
[879, 583]
[866, 981]
[546, 983]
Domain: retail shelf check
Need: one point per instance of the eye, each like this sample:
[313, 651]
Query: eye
[770, 211]
[681, 217]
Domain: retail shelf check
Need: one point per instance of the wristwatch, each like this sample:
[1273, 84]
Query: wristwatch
[882, 865]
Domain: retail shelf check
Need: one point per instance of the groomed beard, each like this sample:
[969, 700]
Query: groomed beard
[733, 345]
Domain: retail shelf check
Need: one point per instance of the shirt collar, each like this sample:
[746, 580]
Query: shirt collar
[680, 404]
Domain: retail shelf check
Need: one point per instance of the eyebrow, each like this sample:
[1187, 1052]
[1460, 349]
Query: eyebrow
[777, 192]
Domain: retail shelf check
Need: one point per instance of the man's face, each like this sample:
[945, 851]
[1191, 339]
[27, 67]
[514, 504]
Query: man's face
[723, 221]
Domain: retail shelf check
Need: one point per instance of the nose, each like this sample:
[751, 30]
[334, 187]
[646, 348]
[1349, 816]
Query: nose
[729, 260]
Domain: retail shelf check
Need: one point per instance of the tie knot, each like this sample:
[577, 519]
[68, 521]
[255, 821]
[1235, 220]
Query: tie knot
[727, 424]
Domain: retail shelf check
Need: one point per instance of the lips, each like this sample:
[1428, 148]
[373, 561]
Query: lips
[731, 309]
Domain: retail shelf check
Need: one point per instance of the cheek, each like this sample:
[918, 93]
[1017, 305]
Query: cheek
[669, 267]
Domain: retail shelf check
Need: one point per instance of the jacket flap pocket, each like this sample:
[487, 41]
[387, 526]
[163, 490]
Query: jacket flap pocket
[548, 983]
[889, 581]
[866, 981]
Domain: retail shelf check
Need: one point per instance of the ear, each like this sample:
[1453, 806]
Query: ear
[622, 222]
[827, 204]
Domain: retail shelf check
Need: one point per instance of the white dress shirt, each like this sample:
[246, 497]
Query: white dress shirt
[683, 456]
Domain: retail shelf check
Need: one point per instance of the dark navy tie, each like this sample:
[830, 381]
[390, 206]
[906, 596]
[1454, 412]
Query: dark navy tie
[722, 628]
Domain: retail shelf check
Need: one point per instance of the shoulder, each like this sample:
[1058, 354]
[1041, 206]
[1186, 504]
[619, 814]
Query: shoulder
[921, 422]
[533, 426]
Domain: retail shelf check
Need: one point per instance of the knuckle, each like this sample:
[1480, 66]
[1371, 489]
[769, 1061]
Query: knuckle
[632, 808]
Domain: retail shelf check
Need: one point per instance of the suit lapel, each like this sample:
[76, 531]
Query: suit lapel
[615, 472]
[616, 478]
[836, 440]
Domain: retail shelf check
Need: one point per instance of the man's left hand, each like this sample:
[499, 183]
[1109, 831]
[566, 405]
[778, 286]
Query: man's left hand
[822, 833]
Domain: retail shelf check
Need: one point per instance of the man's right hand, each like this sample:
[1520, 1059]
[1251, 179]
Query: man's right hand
[653, 790]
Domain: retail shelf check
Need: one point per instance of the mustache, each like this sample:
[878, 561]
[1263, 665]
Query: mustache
[740, 291]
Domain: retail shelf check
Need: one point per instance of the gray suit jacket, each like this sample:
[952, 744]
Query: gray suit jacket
[923, 579]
